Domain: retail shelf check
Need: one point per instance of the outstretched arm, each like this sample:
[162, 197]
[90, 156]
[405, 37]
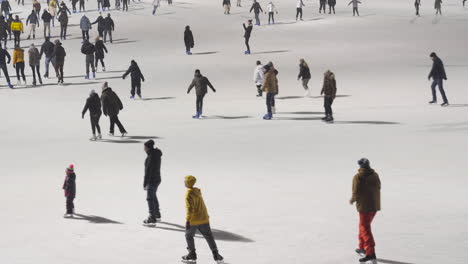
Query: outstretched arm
[191, 86]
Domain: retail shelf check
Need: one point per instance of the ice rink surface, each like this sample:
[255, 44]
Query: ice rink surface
[277, 191]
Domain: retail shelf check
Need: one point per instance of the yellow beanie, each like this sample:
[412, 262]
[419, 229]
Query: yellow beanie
[190, 181]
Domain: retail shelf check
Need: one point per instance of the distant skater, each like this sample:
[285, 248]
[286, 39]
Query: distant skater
[331, 6]
[111, 106]
[323, 6]
[271, 12]
[248, 32]
[156, 4]
[299, 6]
[188, 40]
[69, 187]
[258, 78]
[93, 104]
[438, 7]
[152, 180]
[227, 7]
[271, 88]
[136, 79]
[417, 4]
[329, 94]
[101, 49]
[304, 74]
[355, 6]
[257, 10]
[438, 76]
[201, 84]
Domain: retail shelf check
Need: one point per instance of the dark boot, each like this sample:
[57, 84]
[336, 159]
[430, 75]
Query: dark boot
[368, 258]
[191, 256]
[217, 256]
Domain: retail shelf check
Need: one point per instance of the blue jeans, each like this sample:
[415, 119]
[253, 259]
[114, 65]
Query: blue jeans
[440, 83]
[47, 61]
[153, 203]
[270, 101]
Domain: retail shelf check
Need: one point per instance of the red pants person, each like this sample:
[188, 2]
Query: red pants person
[366, 240]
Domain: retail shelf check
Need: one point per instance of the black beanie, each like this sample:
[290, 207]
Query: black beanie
[149, 144]
[364, 163]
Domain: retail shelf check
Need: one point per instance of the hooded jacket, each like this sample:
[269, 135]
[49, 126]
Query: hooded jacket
[88, 48]
[258, 75]
[270, 82]
[85, 24]
[153, 168]
[111, 104]
[201, 84]
[109, 24]
[69, 185]
[329, 85]
[135, 72]
[47, 48]
[438, 70]
[188, 38]
[17, 25]
[34, 56]
[196, 212]
[93, 104]
[18, 55]
[46, 17]
[59, 54]
[100, 49]
[304, 72]
[366, 191]
[63, 18]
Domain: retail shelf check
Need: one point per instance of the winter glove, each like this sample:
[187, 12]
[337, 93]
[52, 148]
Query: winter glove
[214, 90]
[445, 78]
[187, 225]
[123, 77]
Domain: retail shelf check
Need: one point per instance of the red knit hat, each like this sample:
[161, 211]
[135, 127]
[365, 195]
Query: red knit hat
[71, 168]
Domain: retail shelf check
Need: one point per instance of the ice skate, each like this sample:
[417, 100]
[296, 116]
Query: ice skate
[433, 102]
[267, 117]
[217, 257]
[191, 257]
[360, 251]
[150, 221]
[139, 97]
[87, 77]
[445, 104]
[9, 85]
[103, 69]
[94, 75]
[273, 110]
[329, 119]
[68, 215]
[111, 134]
[307, 93]
[93, 138]
[369, 258]
[124, 134]
[197, 115]
[99, 136]
[132, 97]
[18, 83]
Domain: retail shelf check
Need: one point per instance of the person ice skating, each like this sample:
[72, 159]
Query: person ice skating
[417, 4]
[82, 6]
[88, 49]
[63, 8]
[93, 104]
[156, 4]
[258, 78]
[248, 32]
[47, 49]
[366, 195]
[111, 106]
[299, 5]
[32, 19]
[197, 219]
[271, 12]
[329, 94]
[304, 74]
[331, 6]
[108, 28]
[100, 49]
[152, 180]
[257, 9]
[438, 76]
[4, 55]
[6, 8]
[136, 77]
[99, 4]
[100, 22]
[201, 84]
[74, 2]
[271, 88]
[34, 63]
[125, 5]
[3, 31]
[69, 186]
[18, 63]
[10, 21]
[63, 19]
[106, 4]
[227, 7]
[17, 28]
[355, 6]
[46, 18]
[21, 2]
[59, 57]
[188, 40]
[85, 26]
[438, 7]
[117, 4]
[323, 6]
[169, 2]
[239, 3]
[53, 10]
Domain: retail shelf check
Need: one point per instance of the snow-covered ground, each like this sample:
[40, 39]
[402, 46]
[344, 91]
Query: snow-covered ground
[277, 191]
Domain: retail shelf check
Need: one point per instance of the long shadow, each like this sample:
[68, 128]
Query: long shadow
[205, 53]
[298, 118]
[158, 98]
[85, 83]
[112, 71]
[218, 234]
[284, 23]
[338, 96]
[368, 122]
[120, 39]
[164, 14]
[458, 105]
[124, 42]
[122, 141]
[314, 19]
[391, 261]
[228, 117]
[303, 113]
[289, 97]
[268, 52]
[95, 219]
[105, 78]
[142, 137]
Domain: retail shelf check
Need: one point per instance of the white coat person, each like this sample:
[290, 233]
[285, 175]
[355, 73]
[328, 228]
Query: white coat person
[258, 78]
[271, 12]
[156, 4]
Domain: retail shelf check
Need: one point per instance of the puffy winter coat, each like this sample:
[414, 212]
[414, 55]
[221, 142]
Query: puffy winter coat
[366, 191]
[329, 85]
[111, 104]
[18, 55]
[47, 48]
[258, 75]
[188, 38]
[63, 19]
[46, 17]
[17, 26]
[53, 8]
[93, 104]
[88, 48]
[153, 168]
[438, 70]
[85, 24]
[59, 54]
[270, 82]
[304, 72]
[32, 19]
[135, 72]
[34, 56]
[69, 185]
[108, 24]
[201, 84]
[100, 49]
[196, 212]
[100, 22]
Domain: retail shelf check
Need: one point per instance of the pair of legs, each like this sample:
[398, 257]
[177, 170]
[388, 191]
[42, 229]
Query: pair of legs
[95, 123]
[136, 86]
[5, 40]
[227, 9]
[35, 69]
[330, 8]
[257, 19]
[439, 11]
[5, 72]
[366, 239]
[259, 90]
[63, 31]
[59, 72]
[20, 70]
[205, 230]
[107, 32]
[298, 13]
[438, 83]
[114, 120]
[271, 16]
[46, 28]
[238, 3]
[82, 6]
[32, 31]
[154, 9]
[199, 103]
[99, 5]
[17, 35]
[117, 4]
[305, 84]
[247, 44]
[417, 9]
[323, 6]
[125, 5]
[85, 34]
[90, 63]
[327, 104]
[102, 62]
[270, 102]
[187, 49]
[70, 205]
[355, 11]
[48, 60]
[152, 199]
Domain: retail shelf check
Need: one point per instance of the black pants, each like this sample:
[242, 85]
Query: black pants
[417, 9]
[298, 12]
[82, 7]
[136, 86]
[199, 103]
[271, 16]
[323, 7]
[270, 102]
[259, 90]
[102, 62]
[63, 31]
[5, 72]
[247, 43]
[438, 83]
[74, 6]
[355, 11]
[331, 8]
[20, 70]
[59, 72]
[125, 6]
[17, 35]
[114, 120]
[101, 33]
[95, 123]
[205, 230]
[35, 69]
[187, 48]
[85, 34]
[90, 63]
[70, 205]
[152, 199]
[327, 104]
